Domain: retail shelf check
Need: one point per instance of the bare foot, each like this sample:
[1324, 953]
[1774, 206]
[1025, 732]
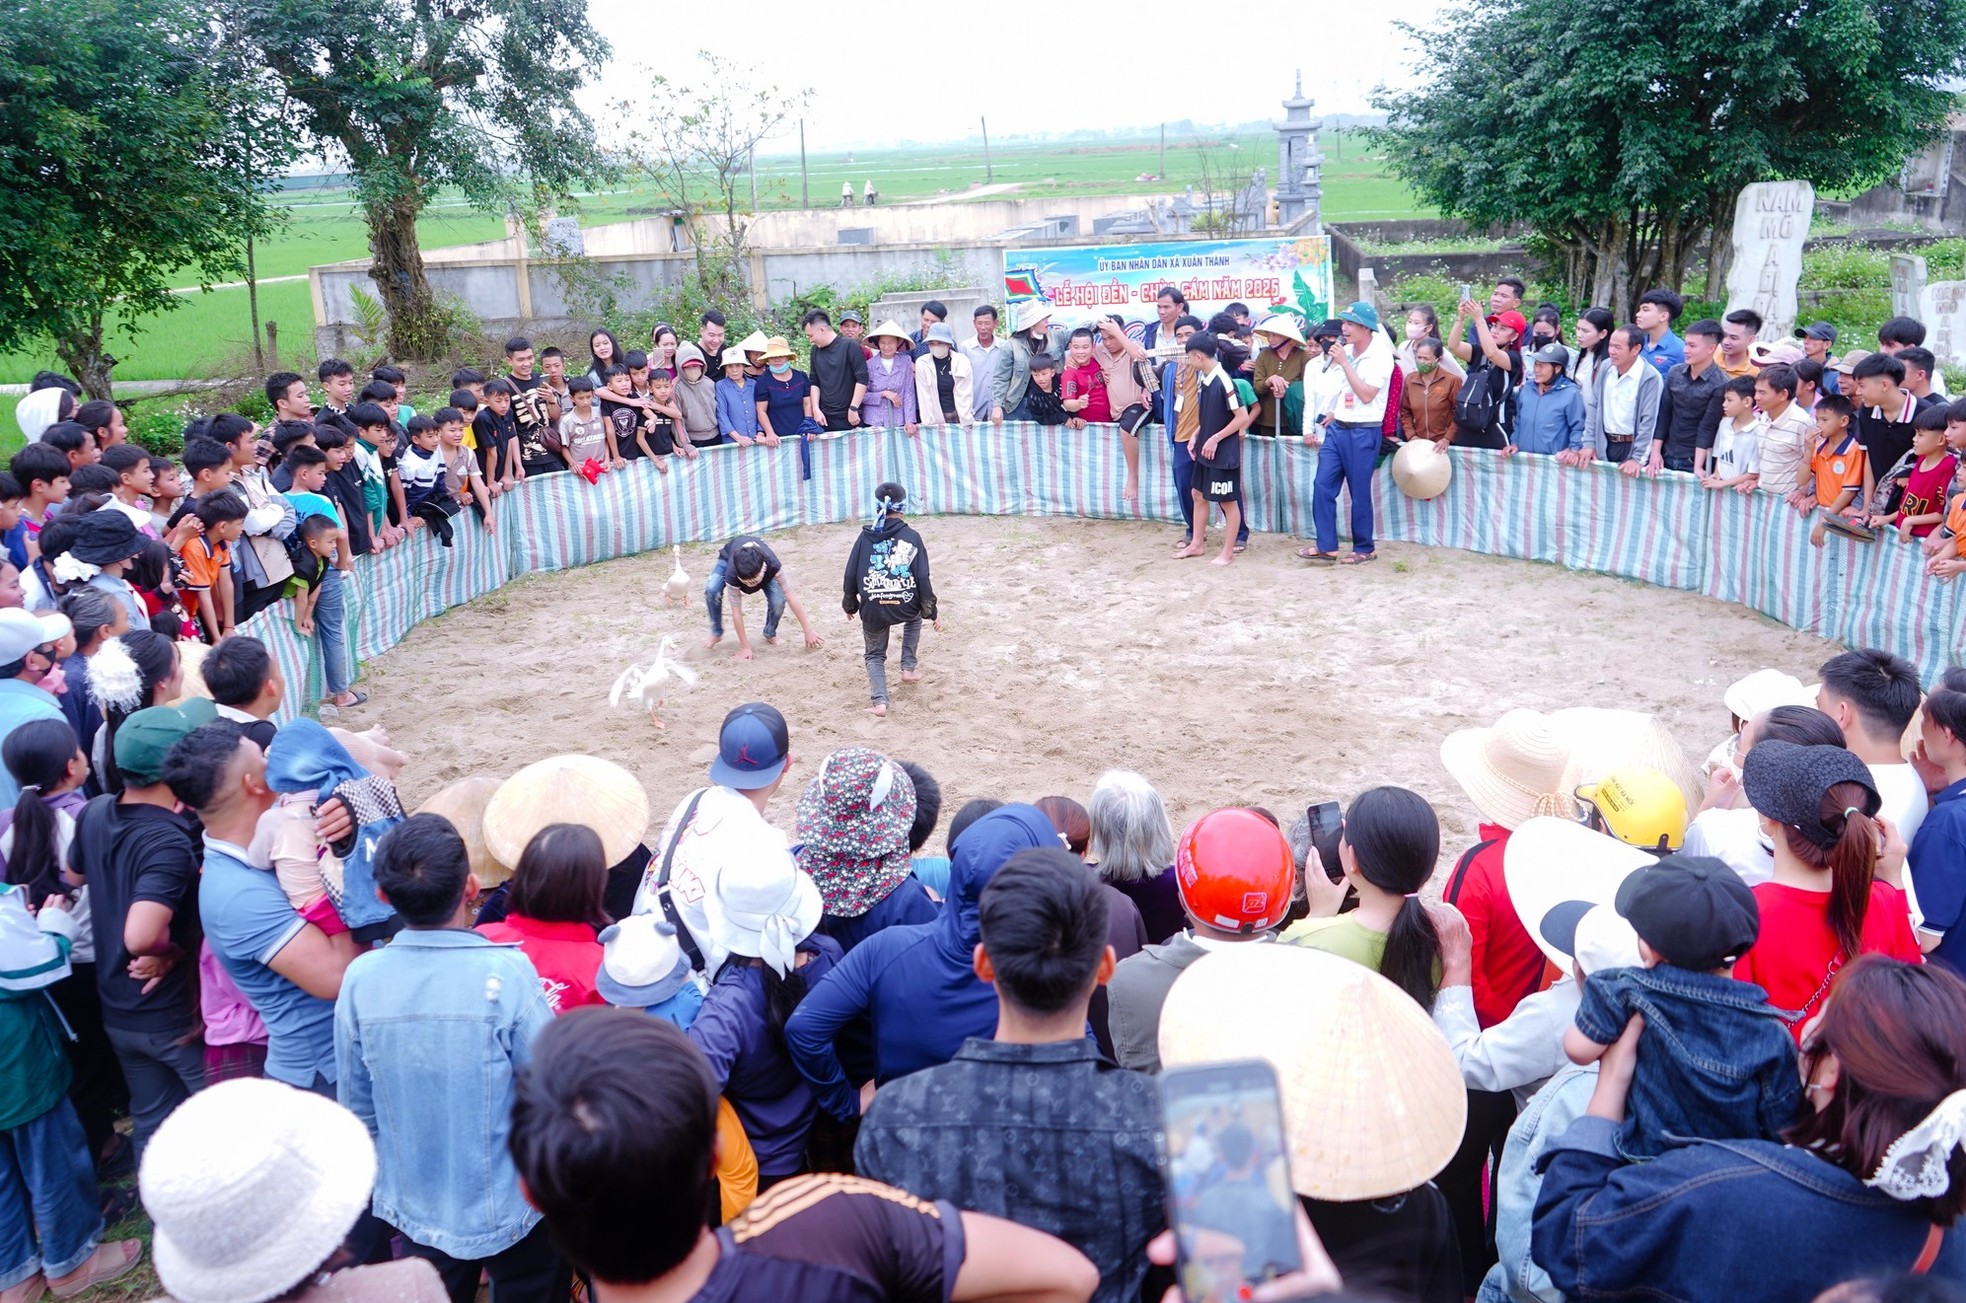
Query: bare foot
[1193, 549]
[712, 641]
[772, 641]
[1131, 493]
[1223, 560]
[878, 709]
[911, 676]
[657, 722]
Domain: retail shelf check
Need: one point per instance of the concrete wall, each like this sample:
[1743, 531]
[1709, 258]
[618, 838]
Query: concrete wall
[512, 294]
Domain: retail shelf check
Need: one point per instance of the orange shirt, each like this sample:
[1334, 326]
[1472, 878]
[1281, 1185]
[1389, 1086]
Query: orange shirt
[1956, 522]
[204, 561]
[1837, 470]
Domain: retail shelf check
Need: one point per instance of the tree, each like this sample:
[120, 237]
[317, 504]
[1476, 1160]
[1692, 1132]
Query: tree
[700, 140]
[112, 125]
[475, 94]
[1622, 133]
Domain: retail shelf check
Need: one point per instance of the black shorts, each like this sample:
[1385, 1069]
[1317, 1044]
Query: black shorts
[1218, 485]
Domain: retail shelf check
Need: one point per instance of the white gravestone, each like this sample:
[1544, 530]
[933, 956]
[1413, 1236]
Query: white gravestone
[1771, 221]
[1907, 284]
[1942, 307]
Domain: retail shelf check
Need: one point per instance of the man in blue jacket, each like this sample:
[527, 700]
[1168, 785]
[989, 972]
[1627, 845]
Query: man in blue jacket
[917, 984]
[1549, 410]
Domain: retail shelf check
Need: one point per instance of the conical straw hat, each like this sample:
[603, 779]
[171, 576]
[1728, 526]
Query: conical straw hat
[1513, 769]
[1373, 1104]
[567, 789]
[1421, 469]
[463, 803]
[1600, 740]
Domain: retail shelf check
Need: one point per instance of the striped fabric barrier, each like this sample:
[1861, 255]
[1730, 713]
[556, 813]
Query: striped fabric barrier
[1667, 531]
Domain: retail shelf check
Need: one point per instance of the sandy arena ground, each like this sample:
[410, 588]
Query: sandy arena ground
[1071, 646]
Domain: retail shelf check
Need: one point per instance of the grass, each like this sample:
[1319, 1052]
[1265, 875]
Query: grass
[324, 225]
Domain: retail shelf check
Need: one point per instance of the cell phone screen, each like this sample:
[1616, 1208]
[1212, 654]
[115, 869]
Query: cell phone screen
[1228, 1180]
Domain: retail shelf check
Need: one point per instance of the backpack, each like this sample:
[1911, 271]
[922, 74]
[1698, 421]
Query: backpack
[30, 959]
[1479, 404]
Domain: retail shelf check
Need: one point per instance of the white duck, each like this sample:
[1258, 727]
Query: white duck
[646, 686]
[675, 589]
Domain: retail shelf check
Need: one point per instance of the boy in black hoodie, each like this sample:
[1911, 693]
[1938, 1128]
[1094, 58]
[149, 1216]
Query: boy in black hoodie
[887, 584]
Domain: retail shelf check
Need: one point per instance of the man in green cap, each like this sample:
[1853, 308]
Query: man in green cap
[139, 856]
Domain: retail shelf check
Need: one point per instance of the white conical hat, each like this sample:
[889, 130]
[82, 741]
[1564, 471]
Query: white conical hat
[1422, 469]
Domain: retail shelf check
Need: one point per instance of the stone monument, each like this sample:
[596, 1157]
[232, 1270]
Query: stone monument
[1298, 161]
[1771, 221]
[1907, 284]
[1942, 307]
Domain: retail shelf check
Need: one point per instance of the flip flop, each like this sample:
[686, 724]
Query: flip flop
[1312, 554]
[1358, 558]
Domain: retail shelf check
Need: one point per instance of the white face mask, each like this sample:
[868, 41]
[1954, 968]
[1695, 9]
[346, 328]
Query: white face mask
[939, 350]
[1416, 330]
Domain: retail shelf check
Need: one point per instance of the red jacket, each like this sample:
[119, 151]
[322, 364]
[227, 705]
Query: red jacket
[567, 956]
[1508, 965]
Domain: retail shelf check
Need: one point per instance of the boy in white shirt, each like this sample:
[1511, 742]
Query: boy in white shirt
[1736, 459]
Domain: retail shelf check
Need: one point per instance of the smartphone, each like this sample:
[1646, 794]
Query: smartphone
[1325, 820]
[1226, 1168]
[1465, 290]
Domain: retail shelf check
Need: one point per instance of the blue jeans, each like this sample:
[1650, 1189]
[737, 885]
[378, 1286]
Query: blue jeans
[713, 601]
[1347, 457]
[331, 625]
[50, 1220]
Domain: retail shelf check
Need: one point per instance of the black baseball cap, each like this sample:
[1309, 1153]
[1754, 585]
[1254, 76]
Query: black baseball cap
[1817, 330]
[1692, 909]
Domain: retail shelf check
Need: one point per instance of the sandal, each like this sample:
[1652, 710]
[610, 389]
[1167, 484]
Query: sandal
[1312, 554]
[1358, 558]
[109, 1261]
[359, 698]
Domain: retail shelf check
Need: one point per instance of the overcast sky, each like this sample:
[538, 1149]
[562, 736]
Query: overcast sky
[1050, 67]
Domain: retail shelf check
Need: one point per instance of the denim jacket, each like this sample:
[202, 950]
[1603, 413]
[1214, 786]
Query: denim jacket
[1715, 1061]
[1515, 1277]
[1711, 1220]
[429, 1032]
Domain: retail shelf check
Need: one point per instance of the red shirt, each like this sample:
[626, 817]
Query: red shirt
[1925, 493]
[1088, 381]
[1793, 956]
[567, 956]
[1508, 965]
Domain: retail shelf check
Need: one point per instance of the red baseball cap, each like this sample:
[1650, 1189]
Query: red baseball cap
[1513, 320]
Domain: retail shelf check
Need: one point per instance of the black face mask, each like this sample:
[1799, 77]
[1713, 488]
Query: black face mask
[1542, 337]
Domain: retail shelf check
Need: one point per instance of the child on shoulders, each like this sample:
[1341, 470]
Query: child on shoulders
[1715, 1060]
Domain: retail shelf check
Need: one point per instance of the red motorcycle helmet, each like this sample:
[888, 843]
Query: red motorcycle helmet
[1234, 871]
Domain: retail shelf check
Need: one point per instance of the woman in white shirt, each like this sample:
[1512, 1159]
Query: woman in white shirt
[1593, 346]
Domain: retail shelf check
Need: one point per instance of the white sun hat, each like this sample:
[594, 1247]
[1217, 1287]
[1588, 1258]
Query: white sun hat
[1560, 873]
[250, 1185]
[1511, 770]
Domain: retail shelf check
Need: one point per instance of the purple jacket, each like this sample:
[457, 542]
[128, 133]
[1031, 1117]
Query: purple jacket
[900, 382]
[750, 1062]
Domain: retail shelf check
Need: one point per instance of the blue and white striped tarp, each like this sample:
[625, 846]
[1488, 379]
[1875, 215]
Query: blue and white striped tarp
[1667, 531]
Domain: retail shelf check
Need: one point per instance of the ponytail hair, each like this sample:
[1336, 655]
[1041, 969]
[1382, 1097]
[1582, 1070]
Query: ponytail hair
[1851, 859]
[37, 754]
[1395, 838]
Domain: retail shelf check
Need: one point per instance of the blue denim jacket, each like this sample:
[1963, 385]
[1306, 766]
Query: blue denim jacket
[1715, 1061]
[1714, 1220]
[429, 1032]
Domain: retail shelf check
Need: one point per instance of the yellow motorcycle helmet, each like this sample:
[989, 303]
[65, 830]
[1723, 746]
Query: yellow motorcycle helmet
[1639, 806]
